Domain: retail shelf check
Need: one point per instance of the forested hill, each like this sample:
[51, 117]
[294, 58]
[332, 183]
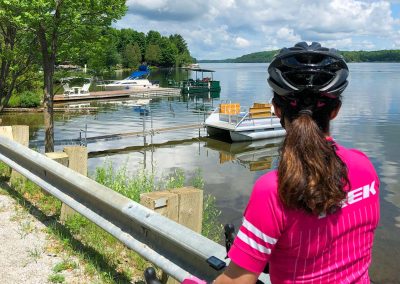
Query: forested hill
[350, 56]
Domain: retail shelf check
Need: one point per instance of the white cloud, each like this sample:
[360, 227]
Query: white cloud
[242, 42]
[231, 28]
[287, 34]
[153, 4]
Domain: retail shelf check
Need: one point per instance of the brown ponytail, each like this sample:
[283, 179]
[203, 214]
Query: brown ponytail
[311, 176]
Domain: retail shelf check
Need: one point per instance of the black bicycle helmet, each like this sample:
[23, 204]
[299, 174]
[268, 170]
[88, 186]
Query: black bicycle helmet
[310, 68]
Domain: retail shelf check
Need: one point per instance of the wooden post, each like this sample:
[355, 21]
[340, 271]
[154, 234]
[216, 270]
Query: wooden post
[190, 207]
[182, 205]
[77, 156]
[6, 131]
[59, 157]
[77, 161]
[162, 202]
[19, 134]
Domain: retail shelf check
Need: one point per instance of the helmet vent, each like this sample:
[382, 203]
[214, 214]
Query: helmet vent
[308, 78]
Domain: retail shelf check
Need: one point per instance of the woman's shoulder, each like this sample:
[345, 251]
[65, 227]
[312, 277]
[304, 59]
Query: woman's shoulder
[356, 160]
[267, 184]
[352, 154]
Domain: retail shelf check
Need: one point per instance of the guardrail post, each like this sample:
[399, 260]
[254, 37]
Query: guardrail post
[182, 205]
[20, 134]
[190, 207]
[59, 157]
[77, 161]
[75, 158]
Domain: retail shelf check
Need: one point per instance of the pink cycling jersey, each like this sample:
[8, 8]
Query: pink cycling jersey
[304, 248]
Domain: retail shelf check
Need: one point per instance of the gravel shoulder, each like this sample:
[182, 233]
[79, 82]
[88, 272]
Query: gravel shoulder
[26, 250]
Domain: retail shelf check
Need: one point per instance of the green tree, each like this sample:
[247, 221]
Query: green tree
[168, 53]
[153, 37]
[132, 56]
[129, 36]
[58, 25]
[17, 58]
[153, 54]
[179, 42]
[101, 56]
[183, 59]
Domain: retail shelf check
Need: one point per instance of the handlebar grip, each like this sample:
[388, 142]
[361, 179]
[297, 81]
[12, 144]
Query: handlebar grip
[229, 230]
[150, 276]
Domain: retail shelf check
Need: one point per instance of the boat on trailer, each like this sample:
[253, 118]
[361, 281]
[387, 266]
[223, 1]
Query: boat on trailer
[230, 121]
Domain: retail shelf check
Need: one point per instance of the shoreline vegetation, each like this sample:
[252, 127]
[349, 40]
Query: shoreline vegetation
[379, 56]
[101, 254]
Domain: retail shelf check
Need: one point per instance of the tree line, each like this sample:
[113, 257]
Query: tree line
[128, 48]
[36, 35]
[349, 56]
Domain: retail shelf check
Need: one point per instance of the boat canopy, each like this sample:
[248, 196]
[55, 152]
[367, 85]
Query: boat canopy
[142, 71]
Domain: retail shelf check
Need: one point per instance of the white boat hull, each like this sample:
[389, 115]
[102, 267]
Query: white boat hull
[130, 84]
[237, 136]
[240, 128]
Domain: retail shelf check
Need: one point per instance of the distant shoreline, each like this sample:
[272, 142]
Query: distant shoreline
[221, 61]
[378, 56]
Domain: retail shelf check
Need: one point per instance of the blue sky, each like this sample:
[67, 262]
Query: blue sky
[219, 29]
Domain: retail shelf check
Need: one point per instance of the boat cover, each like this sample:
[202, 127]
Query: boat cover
[141, 72]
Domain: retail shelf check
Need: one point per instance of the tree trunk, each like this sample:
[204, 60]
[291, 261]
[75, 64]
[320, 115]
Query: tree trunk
[48, 72]
[48, 108]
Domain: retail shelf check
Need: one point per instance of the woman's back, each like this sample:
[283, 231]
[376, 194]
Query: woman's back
[304, 248]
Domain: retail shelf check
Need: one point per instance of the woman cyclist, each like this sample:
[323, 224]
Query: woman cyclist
[313, 219]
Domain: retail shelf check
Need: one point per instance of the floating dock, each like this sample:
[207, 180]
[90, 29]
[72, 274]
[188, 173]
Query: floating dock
[102, 95]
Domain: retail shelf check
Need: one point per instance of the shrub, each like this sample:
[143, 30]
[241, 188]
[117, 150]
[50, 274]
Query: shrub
[30, 99]
[25, 99]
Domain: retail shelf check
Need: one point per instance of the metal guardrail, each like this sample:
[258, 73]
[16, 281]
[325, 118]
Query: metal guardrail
[174, 248]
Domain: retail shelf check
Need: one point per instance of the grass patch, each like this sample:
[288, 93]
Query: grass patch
[100, 254]
[37, 196]
[56, 278]
[65, 265]
[35, 254]
[5, 172]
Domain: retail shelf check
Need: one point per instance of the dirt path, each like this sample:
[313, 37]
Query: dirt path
[27, 252]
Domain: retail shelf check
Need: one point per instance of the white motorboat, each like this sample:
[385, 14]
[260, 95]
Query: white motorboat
[136, 81]
[231, 122]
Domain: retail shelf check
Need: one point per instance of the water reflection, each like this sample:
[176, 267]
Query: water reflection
[254, 155]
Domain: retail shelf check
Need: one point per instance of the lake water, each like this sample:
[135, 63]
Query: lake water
[369, 120]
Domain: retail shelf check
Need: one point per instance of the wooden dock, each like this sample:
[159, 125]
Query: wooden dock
[115, 136]
[105, 95]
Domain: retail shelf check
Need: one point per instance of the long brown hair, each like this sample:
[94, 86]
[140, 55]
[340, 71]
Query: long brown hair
[311, 176]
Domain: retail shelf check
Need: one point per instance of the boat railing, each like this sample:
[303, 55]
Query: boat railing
[256, 112]
[230, 112]
[246, 116]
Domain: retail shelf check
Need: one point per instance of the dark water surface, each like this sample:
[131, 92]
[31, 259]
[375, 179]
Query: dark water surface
[369, 120]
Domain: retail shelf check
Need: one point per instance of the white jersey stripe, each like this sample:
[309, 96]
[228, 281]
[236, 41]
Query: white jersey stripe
[258, 233]
[253, 243]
